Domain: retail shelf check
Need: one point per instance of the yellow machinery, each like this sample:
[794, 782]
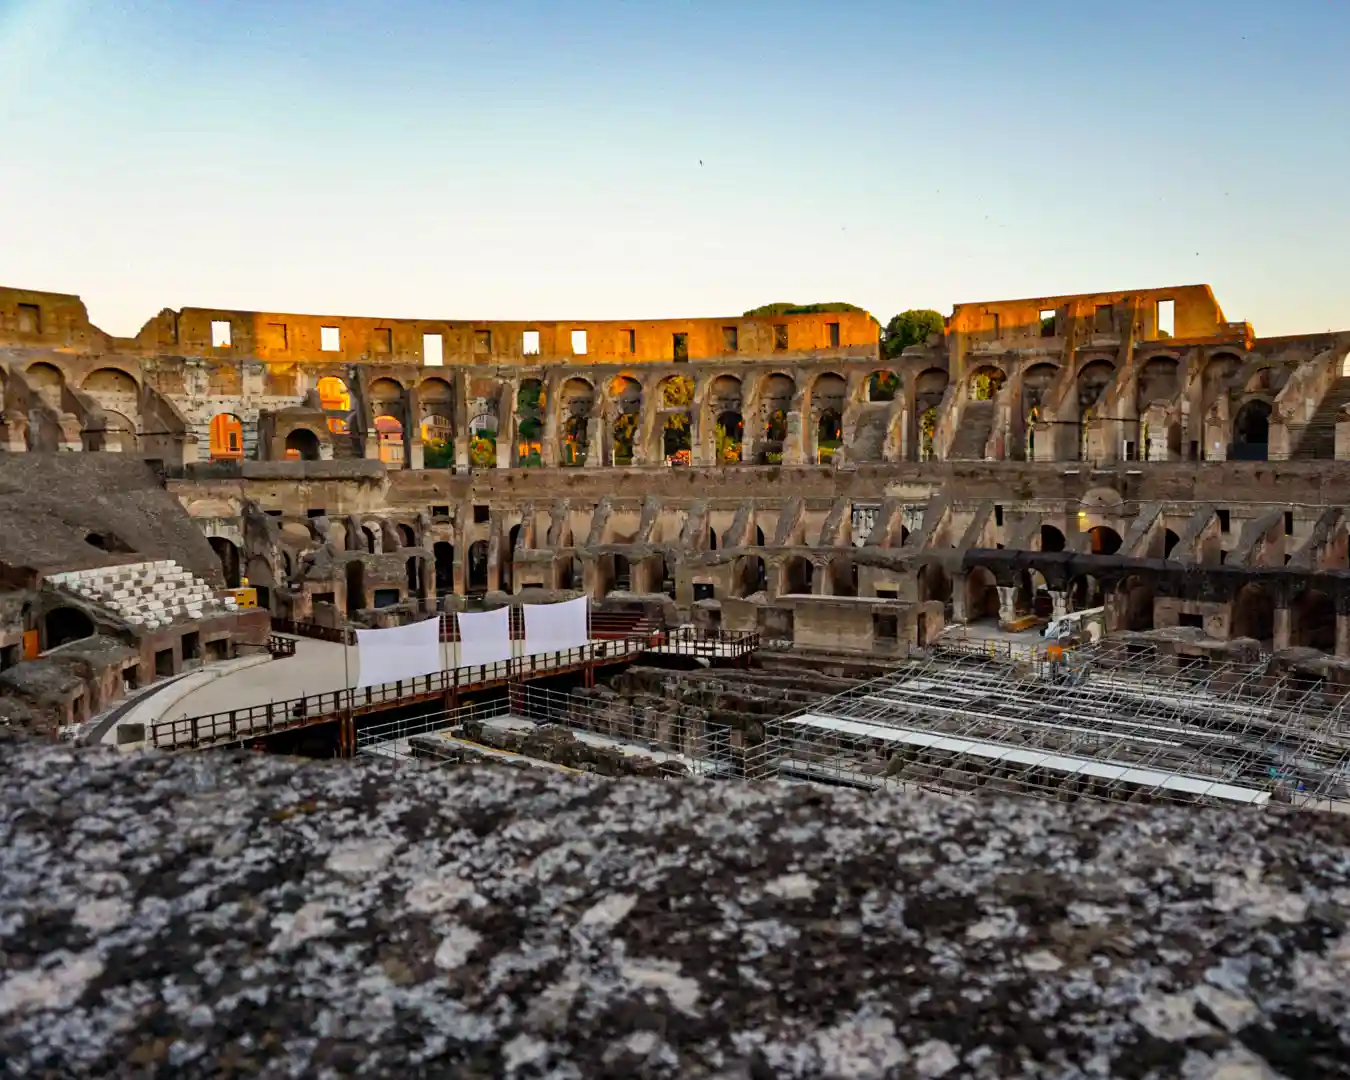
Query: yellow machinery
[245, 596]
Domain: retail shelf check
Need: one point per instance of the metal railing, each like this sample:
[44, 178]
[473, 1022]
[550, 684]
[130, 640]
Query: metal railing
[255, 721]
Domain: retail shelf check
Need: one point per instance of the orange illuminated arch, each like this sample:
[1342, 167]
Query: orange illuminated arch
[227, 437]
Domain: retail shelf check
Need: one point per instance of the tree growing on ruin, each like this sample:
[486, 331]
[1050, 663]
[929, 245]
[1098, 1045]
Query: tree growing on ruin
[786, 308]
[909, 328]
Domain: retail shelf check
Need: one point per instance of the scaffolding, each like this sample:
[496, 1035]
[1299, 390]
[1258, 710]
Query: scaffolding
[1114, 722]
[522, 725]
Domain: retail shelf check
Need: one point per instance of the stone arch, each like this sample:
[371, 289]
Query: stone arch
[227, 551]
[843, 576]
[882, 385]
[47, 381]
[1254, 614]
[1104, 540]
[751, 576]
[798, 575]
[119, 432]
[65, 624]
[984, 383]
[982, 601]
[625, 399]
[436, 402]
[477, 576]
[389, 433]
[675, 398]
[1031, 595]
[1036, 383]
[776, 395]
[1219, 369]
[302, 444]
[110, 380]
[226, 437]
[576, 402]
[1135, 597]
[1157, 381]
[1092, 380]
[406, 536]
[372, 538]
[1085, 592]
[335, 399]
[444, 554]
[531, 403]
[1170, 541]
[934, 584]
[1052, 539]
[1251, 431]
[1312, 621]
[725, 405]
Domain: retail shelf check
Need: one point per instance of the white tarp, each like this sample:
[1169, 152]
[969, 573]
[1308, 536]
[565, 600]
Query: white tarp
[551, 628]
[484, 637]
[398, 652]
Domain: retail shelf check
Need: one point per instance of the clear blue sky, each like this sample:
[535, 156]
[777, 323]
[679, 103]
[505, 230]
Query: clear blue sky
[512, 159]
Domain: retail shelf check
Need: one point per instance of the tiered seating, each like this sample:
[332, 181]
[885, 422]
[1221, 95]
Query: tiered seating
[147, 594]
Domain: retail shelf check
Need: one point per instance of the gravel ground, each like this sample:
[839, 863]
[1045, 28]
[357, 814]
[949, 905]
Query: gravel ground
[228, 915]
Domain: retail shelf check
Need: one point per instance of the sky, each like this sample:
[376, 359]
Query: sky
[594, 159]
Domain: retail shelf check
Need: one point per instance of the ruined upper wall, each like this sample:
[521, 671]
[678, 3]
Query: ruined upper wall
[1197, 316]
[35, 319]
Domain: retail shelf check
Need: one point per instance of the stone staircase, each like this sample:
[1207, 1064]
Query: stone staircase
[149, 594]
[977, 421]
[1317, 438]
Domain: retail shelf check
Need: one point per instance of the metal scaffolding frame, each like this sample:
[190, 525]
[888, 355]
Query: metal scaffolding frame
[661, 736]
[1115, 721]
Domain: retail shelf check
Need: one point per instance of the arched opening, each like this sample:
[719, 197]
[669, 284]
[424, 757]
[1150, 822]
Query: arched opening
[775, 400]
[675, 396]
[372, 544]
[483, 435]
[1036, 383]
[1031, 596]
[882, 386]
[843, 577]
[985, 383]
[576, 401]
[675, 440]
[759, 536]
[1251, 431]
[1104, 540]
[356, 586]
[478, 567]
[228, 554]
[1085, 592]
[623, 573]
[389, 433]
[574, 575]
[934, 584]
[288, 565]
[981, 596]
[1051, 538]
[1136, 604]
[625, 394]
[406, 538]
[728, 436]
[65, 624]
[47, 382]
[302, 444]
[751, 576]
[112, 381]
[531, 399]
[109, 542]
[797, 576]
[444, 554]
[414, 569]
[119, 433]
[508, 568]
[227, 437]
[1254, 615]
[1312, 621]
[712, 539]
[1093, 379]
[1170, 541]
[336, 399]
[829, 435]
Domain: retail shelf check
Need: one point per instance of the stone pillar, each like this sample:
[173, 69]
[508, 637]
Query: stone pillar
[1342, 634]
[412, 431]
[1060, 600]
[597, 428]
[548, 452]
[1283, 628]
[794, 446]
[1007, 605]
[506, 425]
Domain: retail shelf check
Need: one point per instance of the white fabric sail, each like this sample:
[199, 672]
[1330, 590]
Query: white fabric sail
[484, 637]
[398, 652]
[551, 628]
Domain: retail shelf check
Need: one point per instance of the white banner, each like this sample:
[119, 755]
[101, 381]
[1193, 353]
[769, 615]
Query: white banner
[551, 628]
[484, 637]
[398, 652]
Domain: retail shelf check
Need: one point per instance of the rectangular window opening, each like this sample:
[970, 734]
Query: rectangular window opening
[1223, 520]
[220, 334]
[1190, 619]
[1288, 523]
[680, 346]
[579, 342]
[481, 513]
[529, 342]
[886, 627]
[482, 342]
[433, 350]
[1167, 318]
[330, 338]
[440, 511]
[998, 514]
[780, 337]
[30, 319]
[632, 342]
[1048, 322]
[731, 339]
[834, 334]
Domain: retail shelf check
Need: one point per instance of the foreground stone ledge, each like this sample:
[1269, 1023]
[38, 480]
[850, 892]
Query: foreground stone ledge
[234, 915]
